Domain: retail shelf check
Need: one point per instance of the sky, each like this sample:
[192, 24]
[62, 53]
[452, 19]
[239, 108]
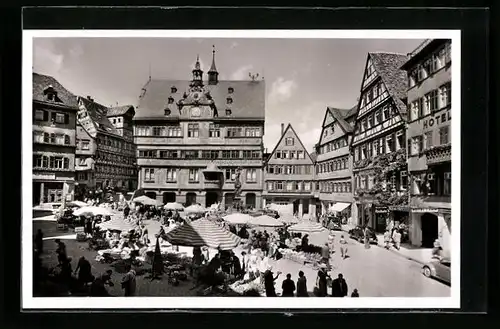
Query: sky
[303, 76]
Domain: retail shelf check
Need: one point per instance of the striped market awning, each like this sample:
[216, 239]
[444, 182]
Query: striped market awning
[203, 232]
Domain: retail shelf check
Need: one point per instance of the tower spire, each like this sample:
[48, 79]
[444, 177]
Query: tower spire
[212, 73]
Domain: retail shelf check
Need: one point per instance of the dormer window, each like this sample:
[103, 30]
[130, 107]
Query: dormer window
[228, 112]
[230, 90]
[173, 90]
[50, 93]
[167, 112]
[171, 100]
[229, 100]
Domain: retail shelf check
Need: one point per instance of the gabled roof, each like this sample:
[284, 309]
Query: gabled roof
[42, 82]
[119, 110]
[248, 98]
[388, 67]
[341, 115]
[281, 139]
[97, 113]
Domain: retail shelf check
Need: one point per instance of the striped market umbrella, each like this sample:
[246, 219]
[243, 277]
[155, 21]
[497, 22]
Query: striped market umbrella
[266, 221]
[203, 232]
[306, 227]
[118, 224]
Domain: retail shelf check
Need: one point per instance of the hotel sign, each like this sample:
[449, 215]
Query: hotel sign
[381, 210]
[423, 210]
[437, 120]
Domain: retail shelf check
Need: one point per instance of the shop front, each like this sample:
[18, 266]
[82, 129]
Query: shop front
[382, 219]
[429, 225]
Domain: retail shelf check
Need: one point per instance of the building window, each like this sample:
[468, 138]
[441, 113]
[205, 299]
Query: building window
[230, 174]
[414, 110]
[171, 174]
[431, 101]
[447, 183]
[60, 118]
[214, 130]
[386, 111]
[301, 155]
[158, 131]
[251, 175]
[416, 145]
[445, 95]
[66, 140]
[147, 154]
[431, 184]
[85, 144]
[193, 130]
[174, 131]
[38, 137]
[278, 186]
[400, 139]
[444, 135]
[234, 132]
[371, 121]
[214, 155]
[364, 125]
[149, 175]
[428, 140]
[191, 154]
[289, 141]
[447, 57]
[193, 175]
[378, 117]
[404, 180]
[41, 115]
[389, 141]
[252, 132]
[413, 77]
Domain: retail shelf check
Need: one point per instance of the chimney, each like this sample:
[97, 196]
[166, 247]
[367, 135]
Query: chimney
[90, 98]
[282, 128]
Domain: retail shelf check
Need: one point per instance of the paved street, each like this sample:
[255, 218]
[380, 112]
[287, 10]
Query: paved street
[375, 272]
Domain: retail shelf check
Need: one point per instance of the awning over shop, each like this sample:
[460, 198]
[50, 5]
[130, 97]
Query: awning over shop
[340, 206]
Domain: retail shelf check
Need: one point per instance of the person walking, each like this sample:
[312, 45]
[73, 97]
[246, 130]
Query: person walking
[321, 281]
[325, 255]
[288, 286]
[366, 235]
[355, 293]
[302, 285]
[128, 282]
[339, 286]
[269, 282]
[397, 239]
[387, 239]
[61, 252]
[84, 270]
[343, 247]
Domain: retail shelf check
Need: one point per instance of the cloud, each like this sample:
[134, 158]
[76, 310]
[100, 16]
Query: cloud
[234, 45]
[46, 59]
[282, 90]
[76, 51]
[241, 73]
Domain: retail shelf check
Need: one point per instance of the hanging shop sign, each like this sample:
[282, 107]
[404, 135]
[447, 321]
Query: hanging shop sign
[381, 210]
[423, 210]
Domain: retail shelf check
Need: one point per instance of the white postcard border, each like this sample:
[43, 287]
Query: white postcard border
[48, 303]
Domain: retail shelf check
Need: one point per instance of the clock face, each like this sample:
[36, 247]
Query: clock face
[195, 112]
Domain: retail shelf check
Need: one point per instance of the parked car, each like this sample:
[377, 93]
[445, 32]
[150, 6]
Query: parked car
[358, 234]
[439, 269]
[335, 224]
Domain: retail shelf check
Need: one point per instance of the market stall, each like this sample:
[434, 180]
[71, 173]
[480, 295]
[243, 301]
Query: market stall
[237, 219]
[174, 206]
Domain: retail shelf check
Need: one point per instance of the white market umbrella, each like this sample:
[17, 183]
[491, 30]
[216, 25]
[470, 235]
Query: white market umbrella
[194, 209]
[77, 204]
[117, 224]
[288, 219]
[306, 227]
[173, 206]
[145, 201]
[92, 210]
[266, 221]
[237, 218]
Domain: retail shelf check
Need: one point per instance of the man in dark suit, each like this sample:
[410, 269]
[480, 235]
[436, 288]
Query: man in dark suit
[339, 287]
